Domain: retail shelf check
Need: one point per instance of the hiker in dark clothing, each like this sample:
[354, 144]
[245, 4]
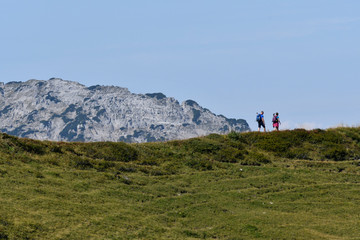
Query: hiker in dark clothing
[261, 121]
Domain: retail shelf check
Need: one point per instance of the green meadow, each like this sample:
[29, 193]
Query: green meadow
[281, 185]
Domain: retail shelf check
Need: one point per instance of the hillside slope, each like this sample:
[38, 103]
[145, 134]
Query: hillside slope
[281, 185]
[62, 110]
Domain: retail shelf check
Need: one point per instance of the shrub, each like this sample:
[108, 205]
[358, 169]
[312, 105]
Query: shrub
[33, 147]
[273, 145]
[300, 133]
[104, 165]
[216, 137]
[127, 169]
[237, 145]
[149, 162]
[353, 133]
[231, 155]
[336, 152]
[298, 153]
[157, 172]
[82, 163]
[53, 161]
[2, 173]
[23, 157]
[123, 178]
[202, 145]
[255, 159]
[238, 137]
[172, 168]
[235, 140]
[191, 234]
[200, 164]
[110, 151]
[39, 175]
[280, 142]
[320, 136]
[56, 149]
[3, 236]
[253, 137]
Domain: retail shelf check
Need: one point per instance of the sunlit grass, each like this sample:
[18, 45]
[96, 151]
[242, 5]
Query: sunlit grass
[281, 185]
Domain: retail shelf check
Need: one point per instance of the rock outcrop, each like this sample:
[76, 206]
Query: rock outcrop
[62, 110]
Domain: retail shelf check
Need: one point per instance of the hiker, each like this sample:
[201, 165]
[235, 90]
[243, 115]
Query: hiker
[261, 121]
[276, 121]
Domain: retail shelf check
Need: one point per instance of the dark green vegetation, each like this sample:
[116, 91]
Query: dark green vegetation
[281, 185]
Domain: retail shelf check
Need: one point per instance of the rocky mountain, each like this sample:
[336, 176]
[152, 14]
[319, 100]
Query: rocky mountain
[69, 111]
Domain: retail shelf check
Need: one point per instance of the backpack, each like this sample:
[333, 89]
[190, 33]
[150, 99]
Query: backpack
[274, 120]
[258, 118]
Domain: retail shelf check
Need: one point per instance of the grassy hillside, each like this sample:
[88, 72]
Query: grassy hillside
[281, 185]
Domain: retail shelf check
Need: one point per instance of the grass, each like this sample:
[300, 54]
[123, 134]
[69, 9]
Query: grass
[281, 185]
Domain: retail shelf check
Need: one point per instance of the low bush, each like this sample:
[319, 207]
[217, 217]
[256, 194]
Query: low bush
[123, 178]
[336, 153]
[110, 151]
[2, 173]
[238, 137]
[319, 136]
[216, 137]
[25, 158]
[172, 168]
[82, 163]
[298, 153]
[33, 147]
[202, 145]
[104, 165]
[56, 149]
[255, 159]
[353, 133]
[279, 142]
[199, 164]
[270, 145]
[149, 162]
[231, 155]
[127, 169]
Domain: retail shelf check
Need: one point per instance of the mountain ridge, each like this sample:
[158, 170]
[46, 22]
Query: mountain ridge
[62, 110]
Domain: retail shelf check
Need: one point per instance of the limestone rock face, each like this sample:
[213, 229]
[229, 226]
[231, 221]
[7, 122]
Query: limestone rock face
[63, 110]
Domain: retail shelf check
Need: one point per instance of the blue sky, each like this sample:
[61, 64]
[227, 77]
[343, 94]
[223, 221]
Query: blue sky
[300, 58]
